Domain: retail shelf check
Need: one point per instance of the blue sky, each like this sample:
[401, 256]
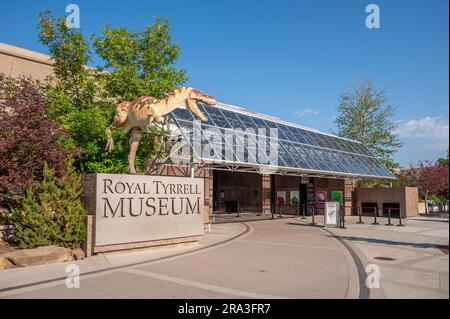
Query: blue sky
[291, 59]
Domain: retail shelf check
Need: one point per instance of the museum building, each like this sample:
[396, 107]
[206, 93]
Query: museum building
[251, 163]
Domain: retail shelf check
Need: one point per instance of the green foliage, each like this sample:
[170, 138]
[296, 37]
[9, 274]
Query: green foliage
[444, 160]
[363, 116]
[54, 214]
[139, 63]
[70, 53]
[436, 198]
[159, 147]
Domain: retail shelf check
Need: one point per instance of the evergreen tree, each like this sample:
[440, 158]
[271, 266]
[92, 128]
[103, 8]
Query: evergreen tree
[31, 226]
[70, 230]
[54, 215]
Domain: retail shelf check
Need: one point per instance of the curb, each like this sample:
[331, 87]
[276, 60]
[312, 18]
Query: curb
[246, 232]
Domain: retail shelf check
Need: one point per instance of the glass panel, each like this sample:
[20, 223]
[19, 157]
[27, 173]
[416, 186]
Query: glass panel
[364, 150]
[338, 163]
[359, 168]
[246, 120]
[351, 147]
[285, 154]
[364, 165]
[298, 135]
[233, 119]
[319, 165]
[318, 139]
[324, 160]
[293, 146]
[218, 119]
[308, 137]
[183, 114]
[331, 141]
[260, 123]
[369, 163]
[325, 141]
[342, 145]
[287, 132]
[344, 161]
[300, 155]
[298, 159]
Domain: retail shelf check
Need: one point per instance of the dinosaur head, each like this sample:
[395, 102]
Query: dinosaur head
[199, 96]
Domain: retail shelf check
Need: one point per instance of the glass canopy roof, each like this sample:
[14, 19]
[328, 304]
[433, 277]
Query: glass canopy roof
[235, 136]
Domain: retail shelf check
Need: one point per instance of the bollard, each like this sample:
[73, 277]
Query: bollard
[375, 210]
[358, 209]
[400, 219]
[304, 208]
[342, 212]
[258, 210]
[279, 211]
[237, 213]
[313, 222]
[389, 217]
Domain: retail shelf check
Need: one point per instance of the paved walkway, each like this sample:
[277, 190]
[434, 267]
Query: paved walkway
[269, 259]
[281, 258]
[420, 269]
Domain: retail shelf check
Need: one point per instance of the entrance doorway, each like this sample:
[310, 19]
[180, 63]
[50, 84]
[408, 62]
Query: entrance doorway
[237, 196]
[304, 198]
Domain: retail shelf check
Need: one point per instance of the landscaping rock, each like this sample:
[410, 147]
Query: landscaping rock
[78, 254]
[39, 256]
[3, 263]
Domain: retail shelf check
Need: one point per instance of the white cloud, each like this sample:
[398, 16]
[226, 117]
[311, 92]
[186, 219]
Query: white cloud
[432, 129]
[307, 111]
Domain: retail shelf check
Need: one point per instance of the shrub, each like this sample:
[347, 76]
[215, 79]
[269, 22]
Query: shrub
[28, 138]
[53, 214]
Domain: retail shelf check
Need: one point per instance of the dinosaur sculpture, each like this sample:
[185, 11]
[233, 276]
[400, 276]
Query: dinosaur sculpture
[143, 111]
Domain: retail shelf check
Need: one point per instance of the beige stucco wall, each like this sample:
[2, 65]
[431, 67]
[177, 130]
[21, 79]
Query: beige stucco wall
[17, 62]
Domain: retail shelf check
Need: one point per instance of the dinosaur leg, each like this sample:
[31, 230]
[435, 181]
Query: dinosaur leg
[192, 106]
[160, 119]
[119, 119]
[134, 143]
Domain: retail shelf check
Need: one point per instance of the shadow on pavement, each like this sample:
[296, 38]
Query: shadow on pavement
[387, 242]
[307, 225]
[429, 220]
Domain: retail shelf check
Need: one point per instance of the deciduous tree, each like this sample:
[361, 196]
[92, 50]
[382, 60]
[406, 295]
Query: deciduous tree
[28, 138]
[139, 63]
[365, 116]
[134, 64]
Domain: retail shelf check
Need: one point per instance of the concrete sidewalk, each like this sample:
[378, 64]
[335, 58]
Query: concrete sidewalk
[17, 277]
[270, 259]
[281, 258]
[419, 269]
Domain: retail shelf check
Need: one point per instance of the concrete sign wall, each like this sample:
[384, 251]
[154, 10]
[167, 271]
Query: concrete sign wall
[138, 208]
